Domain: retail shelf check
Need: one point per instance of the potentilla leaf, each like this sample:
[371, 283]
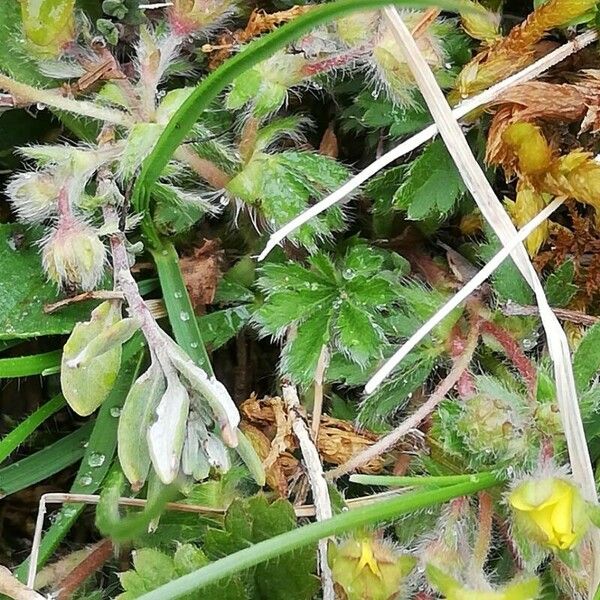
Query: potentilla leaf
[300, 356]
[432, 186]
[335, 302]
[358, 336]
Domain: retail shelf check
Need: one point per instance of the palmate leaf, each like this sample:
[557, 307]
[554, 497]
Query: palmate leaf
[281, 186]
[333, 303]
[290, 576]
[432, 186]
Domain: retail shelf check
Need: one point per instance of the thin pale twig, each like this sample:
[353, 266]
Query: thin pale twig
[93, 295]
[512, 309]
[387, 442]
[466, 107]
[316, 478]
[10, 586]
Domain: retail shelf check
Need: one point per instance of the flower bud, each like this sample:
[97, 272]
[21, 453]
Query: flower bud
[367, 568]
[73, 255]
[550, 511]
[49, 25]
[188, 17]
[33, 196]
[493, 427]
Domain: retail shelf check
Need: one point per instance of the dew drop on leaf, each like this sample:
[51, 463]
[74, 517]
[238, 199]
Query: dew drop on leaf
[96, 459]
[85, 480]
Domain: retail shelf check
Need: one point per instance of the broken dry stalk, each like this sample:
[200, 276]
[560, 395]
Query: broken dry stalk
[316, 477]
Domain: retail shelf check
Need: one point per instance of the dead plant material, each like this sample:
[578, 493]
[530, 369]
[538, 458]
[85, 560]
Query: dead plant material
[260, 22]
[201, 273]
[518, 49]
[337, 440]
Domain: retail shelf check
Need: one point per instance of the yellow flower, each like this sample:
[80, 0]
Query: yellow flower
[366, 568]
[552, 511]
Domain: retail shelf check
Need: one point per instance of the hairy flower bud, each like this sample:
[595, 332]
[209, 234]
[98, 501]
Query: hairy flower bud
[33, 196]
[73, 255]
[191, 16]
[493, 426]
[550, 511]
[367, 568]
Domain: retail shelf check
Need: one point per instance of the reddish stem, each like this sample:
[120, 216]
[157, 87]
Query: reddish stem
[86, 568]
[513, 352]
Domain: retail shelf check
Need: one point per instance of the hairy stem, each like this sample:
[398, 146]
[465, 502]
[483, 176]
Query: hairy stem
[26, 94]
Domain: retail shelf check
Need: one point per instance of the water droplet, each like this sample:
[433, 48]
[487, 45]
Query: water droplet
[164, 253]
[115, 411]
[348, 274]
[40, 106]
[184, 316]
[96, 459]
[177, 294]
[194, 344]
[85, 444]
[85, 480]
[529, 344]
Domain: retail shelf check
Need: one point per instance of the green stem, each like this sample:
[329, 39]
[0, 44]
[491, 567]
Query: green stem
[261, 49]
[416, 481]
[309, 534]
[179, 307]
[21, 432]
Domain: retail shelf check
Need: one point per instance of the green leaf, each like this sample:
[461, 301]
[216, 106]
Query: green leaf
[24, 290]
[432, 185]
[218, 327]
[395, 393]
[586, 361]
[358, 336]
[559, 286]
[85, 386]
[290, 576]
[300, 356]
[508, 283]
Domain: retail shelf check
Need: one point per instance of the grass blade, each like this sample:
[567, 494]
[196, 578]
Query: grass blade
[46, 462]
[23, 366]
[309, 534]
[179, 307]
[22, 431]
[102, 443]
